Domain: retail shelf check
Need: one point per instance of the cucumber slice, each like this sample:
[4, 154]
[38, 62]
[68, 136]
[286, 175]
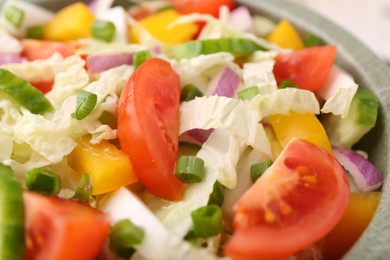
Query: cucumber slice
[239, 47]
[22, 93]
[11, 216]
[361, 117]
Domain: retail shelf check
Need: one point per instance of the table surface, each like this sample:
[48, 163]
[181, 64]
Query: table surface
[368, 20]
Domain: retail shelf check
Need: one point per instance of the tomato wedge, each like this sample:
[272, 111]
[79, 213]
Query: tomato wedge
[202, 6]
[295, 203]
[40, 50]
[307, 68]
[62, 229]
[148, 126]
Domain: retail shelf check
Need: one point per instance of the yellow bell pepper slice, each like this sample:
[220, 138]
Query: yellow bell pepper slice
[158, 26]
[71, 23]
[302, 125]
[108, 166]
[286, 36]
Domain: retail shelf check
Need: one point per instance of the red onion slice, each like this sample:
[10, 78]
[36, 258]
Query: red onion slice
[196, 136]
[225, 83]
[9, 59]
[241, 19]
[364, 173]
[102, 62]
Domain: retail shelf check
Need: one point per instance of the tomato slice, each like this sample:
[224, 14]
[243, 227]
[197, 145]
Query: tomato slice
[62, 229]
[295, 203]
[307, 68]
[40, 50]
[148, 126]
[202, 6]
[43, 86]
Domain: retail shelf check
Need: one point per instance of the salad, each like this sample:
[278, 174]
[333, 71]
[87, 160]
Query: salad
[177, 130]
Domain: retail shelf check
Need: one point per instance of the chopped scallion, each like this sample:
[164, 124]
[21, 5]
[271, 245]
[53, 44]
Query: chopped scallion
[287, 84]
[84, 188]
[140, 57]
[35, 32]
[217, 195]
[189, 92]
[43, 181]
[164, 8]
[14, 15]
[207, 221]
[258, 169]
[103, 30]
[248, 93]
[124, 236]
[86, 102]
[312, 40]
[189, 169]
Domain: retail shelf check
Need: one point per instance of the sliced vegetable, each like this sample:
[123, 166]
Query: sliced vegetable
[217, 195]
[361, 118]
[62, 229]
[14, 15]
[239, 47]
[84, 188]
[301, 125]
[103, 30]
[108, 166]
[248, 93]
[202, 6]
[101, 62]
[148, 125]
[308, 68]
[189, 92]
[86, 102]
[225, 83]
[296, 202]
[241, 19]
[22, 93]
[140, 57]
[40, 50]
[364, 173]
[207, 221]
[311, 40]
[360, 210]
[35, 32]
[10, 58]
[71, 23]
[189, 169]
[44, 181]
[124, 236]
[286, 36]
[11, 215]
[258, 169]
[287, 84]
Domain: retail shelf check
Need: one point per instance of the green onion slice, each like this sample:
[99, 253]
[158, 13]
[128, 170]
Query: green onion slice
[258, 169]
[207, 221]
[140, 57]
[239, 47]
[86, 102]
[248, 93]
[189, 92]
[124, 236]
[22, 93]
[189, 169]
[311, 40]
[84, 188]
[288, 84]
[44, 181]
[217, 195]
[103, 30]
[14, 15]
[35, 32]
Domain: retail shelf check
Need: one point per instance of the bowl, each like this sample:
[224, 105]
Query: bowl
[370, 72]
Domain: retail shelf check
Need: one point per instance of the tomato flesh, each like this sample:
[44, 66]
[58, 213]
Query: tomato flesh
[148, 126]
[307, 68]
[295, 203]
[62, 229]
[41, 50]
[202, 6]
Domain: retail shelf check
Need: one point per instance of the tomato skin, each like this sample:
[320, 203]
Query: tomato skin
[307, 68]
[295, 203]
[41, 50]
[148, 126]
[202, 6]
[60, 229]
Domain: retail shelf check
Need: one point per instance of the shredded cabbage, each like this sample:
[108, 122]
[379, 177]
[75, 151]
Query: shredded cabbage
[9, 44]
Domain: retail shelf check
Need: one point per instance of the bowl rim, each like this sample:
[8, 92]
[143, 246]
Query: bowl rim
[369, 71]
